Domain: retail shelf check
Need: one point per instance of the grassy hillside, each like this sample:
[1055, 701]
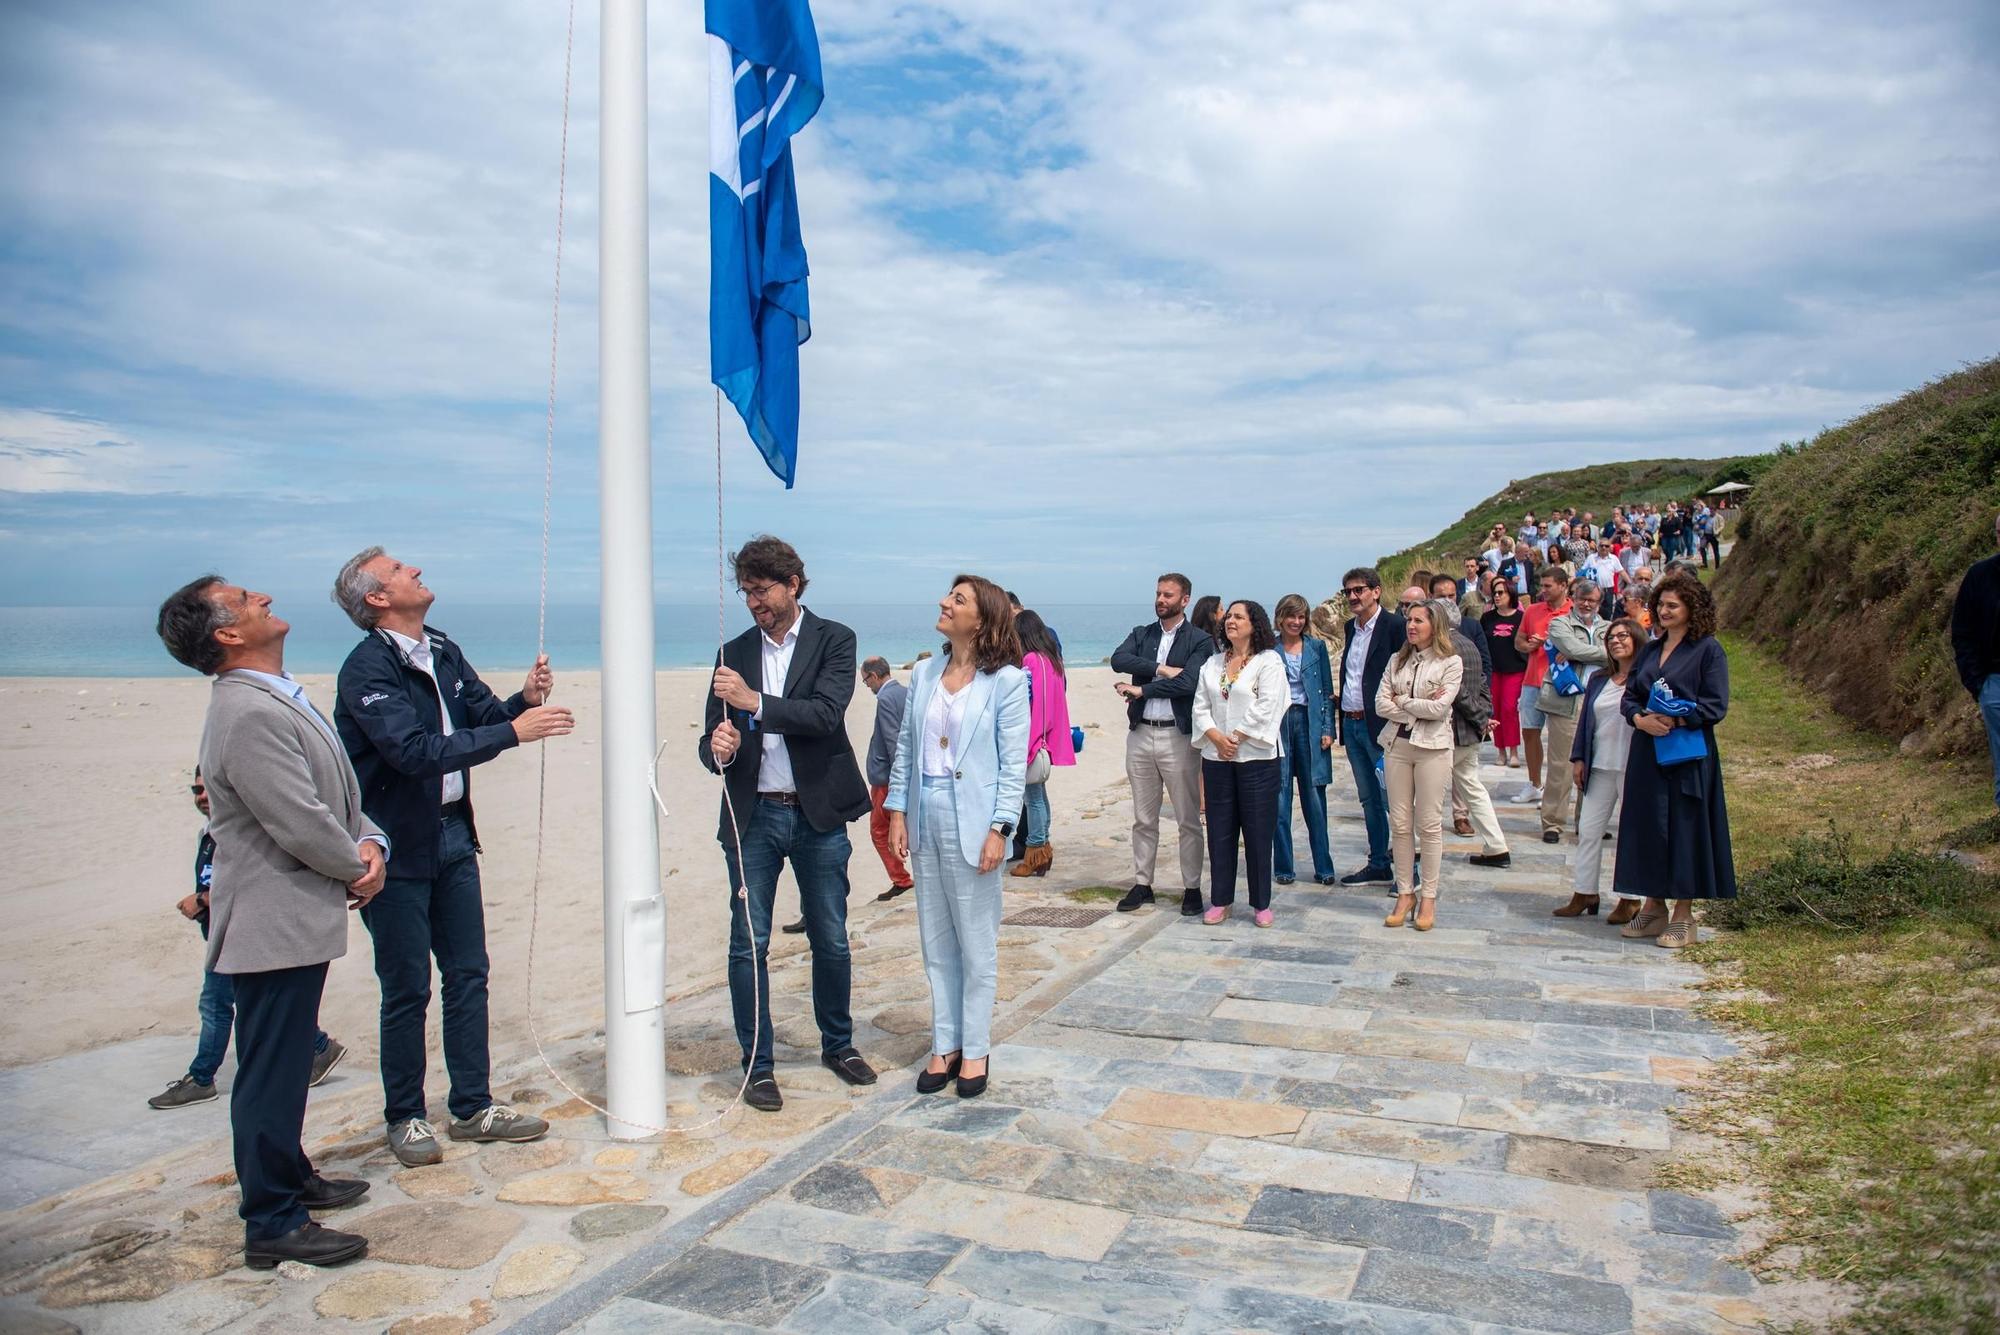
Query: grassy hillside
[1596, 488]
[1849, 554]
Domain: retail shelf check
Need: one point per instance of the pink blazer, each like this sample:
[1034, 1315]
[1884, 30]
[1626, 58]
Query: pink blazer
[1048, 712]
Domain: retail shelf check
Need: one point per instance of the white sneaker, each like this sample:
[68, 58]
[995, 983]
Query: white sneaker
[1526, 793]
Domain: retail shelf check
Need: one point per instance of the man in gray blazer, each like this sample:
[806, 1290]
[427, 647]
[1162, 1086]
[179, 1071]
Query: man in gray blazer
[890, 698]
[293, 854]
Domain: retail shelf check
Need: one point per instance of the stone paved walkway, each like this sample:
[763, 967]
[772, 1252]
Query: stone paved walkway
[1329, 1125]
[1324, 1126]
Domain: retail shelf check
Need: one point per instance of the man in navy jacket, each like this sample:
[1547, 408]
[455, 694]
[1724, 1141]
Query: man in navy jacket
[415, 718]
[1373, 637]
[1975, 646]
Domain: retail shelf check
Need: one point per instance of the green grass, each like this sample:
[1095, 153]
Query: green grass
[1794, 766]
[1095, 894]
[1871, 1120]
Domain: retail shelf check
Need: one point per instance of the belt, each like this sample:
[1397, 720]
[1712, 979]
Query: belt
[1353, 713]
[1158, 723]
[451, 809]
[782, 799]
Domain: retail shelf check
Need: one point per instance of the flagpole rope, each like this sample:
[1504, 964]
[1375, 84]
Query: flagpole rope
[740, 891]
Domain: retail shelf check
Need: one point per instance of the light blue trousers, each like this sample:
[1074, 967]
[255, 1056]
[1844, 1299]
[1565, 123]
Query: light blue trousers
[958, 922]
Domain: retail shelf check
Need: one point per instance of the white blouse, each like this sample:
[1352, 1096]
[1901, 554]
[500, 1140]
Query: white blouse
[1612, 746]
[1255, 707]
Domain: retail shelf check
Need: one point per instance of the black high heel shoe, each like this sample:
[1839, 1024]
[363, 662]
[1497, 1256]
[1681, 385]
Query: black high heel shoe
[931, 1082]
[972, 1086]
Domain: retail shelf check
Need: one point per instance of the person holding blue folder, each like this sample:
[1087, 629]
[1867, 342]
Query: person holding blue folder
[1673, 836]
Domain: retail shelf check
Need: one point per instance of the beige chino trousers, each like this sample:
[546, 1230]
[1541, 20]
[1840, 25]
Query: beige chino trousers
[1418, 778]
[1160, 762]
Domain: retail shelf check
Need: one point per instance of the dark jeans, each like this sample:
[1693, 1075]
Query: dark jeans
[218, 1012]
[1296, 766]
[775, 834]
[1242, 801]
[412, 919]
[276, 1013]
[1989, 711]
[1363, 755]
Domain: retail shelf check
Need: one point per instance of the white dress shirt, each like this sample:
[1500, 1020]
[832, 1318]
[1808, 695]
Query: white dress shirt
[1162, 711]
[775, 773]
[1359, 637]
[418, 652]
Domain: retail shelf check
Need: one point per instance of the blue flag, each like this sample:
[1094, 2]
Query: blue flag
[763, 86]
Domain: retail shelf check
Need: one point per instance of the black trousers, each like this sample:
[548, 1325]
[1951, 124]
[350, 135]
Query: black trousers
[1242, 803]
[277, 1014]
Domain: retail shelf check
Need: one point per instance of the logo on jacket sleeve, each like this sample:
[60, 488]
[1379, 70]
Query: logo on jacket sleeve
[368, 700]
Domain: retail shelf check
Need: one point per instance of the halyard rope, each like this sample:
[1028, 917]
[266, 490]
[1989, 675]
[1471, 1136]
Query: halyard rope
[741, 892]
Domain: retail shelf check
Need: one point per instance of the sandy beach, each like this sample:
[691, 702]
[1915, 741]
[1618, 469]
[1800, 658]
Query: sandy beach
[103, 830]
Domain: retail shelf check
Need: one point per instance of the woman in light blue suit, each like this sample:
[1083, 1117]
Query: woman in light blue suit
[954, 792]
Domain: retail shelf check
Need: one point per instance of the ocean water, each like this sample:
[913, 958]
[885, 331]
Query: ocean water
[120, 641]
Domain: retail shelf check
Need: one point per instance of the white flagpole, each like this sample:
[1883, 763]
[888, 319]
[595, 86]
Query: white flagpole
[634, 910]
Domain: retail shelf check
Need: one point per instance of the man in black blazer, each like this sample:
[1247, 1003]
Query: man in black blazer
[1164, 657]
[1373, 637]
[777, 733]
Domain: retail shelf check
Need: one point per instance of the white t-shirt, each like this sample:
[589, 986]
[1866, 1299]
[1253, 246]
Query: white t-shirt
[942, 743]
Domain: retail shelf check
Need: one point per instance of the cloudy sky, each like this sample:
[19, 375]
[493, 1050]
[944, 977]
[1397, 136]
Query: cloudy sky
[1251, 289]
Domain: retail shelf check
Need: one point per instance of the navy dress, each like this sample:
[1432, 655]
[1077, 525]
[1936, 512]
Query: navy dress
[1673, 835]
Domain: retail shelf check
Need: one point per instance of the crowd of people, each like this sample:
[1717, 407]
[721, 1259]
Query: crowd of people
[1231, 714]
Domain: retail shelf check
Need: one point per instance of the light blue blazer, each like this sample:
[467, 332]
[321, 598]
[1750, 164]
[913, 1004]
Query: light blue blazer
[992, 773]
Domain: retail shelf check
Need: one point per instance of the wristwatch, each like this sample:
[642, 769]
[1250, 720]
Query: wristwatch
[1004, 828]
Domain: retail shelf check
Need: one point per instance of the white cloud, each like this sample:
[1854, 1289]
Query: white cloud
[60, 452]
[1330, 251]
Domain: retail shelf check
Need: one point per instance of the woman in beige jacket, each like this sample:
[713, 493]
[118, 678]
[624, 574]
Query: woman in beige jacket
[1416, 697]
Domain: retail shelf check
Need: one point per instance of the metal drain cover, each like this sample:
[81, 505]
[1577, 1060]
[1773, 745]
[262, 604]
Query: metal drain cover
[1052, 915]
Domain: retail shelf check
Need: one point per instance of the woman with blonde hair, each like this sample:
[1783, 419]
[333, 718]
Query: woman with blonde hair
[1308, 729]
[1415, 700]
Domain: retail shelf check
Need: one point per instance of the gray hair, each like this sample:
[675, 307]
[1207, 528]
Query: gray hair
[1640, 589]
[1583, 586]
[352, 586]
[875, 667]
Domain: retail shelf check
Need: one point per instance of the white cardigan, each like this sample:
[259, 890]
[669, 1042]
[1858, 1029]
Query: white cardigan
[1255, 707]
[1413, 682]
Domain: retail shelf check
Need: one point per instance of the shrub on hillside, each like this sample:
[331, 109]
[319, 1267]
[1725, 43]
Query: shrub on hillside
[1820, 880]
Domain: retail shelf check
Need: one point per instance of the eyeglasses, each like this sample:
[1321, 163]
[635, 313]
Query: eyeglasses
[1355, 590]
[197, 789]
[757, 593]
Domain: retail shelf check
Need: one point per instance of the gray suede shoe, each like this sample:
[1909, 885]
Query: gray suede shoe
[415, 1143]
[496, 1121]
[181, 1093]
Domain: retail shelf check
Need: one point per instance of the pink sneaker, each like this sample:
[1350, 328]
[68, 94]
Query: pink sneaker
[1264, 917]
[1215, 915]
